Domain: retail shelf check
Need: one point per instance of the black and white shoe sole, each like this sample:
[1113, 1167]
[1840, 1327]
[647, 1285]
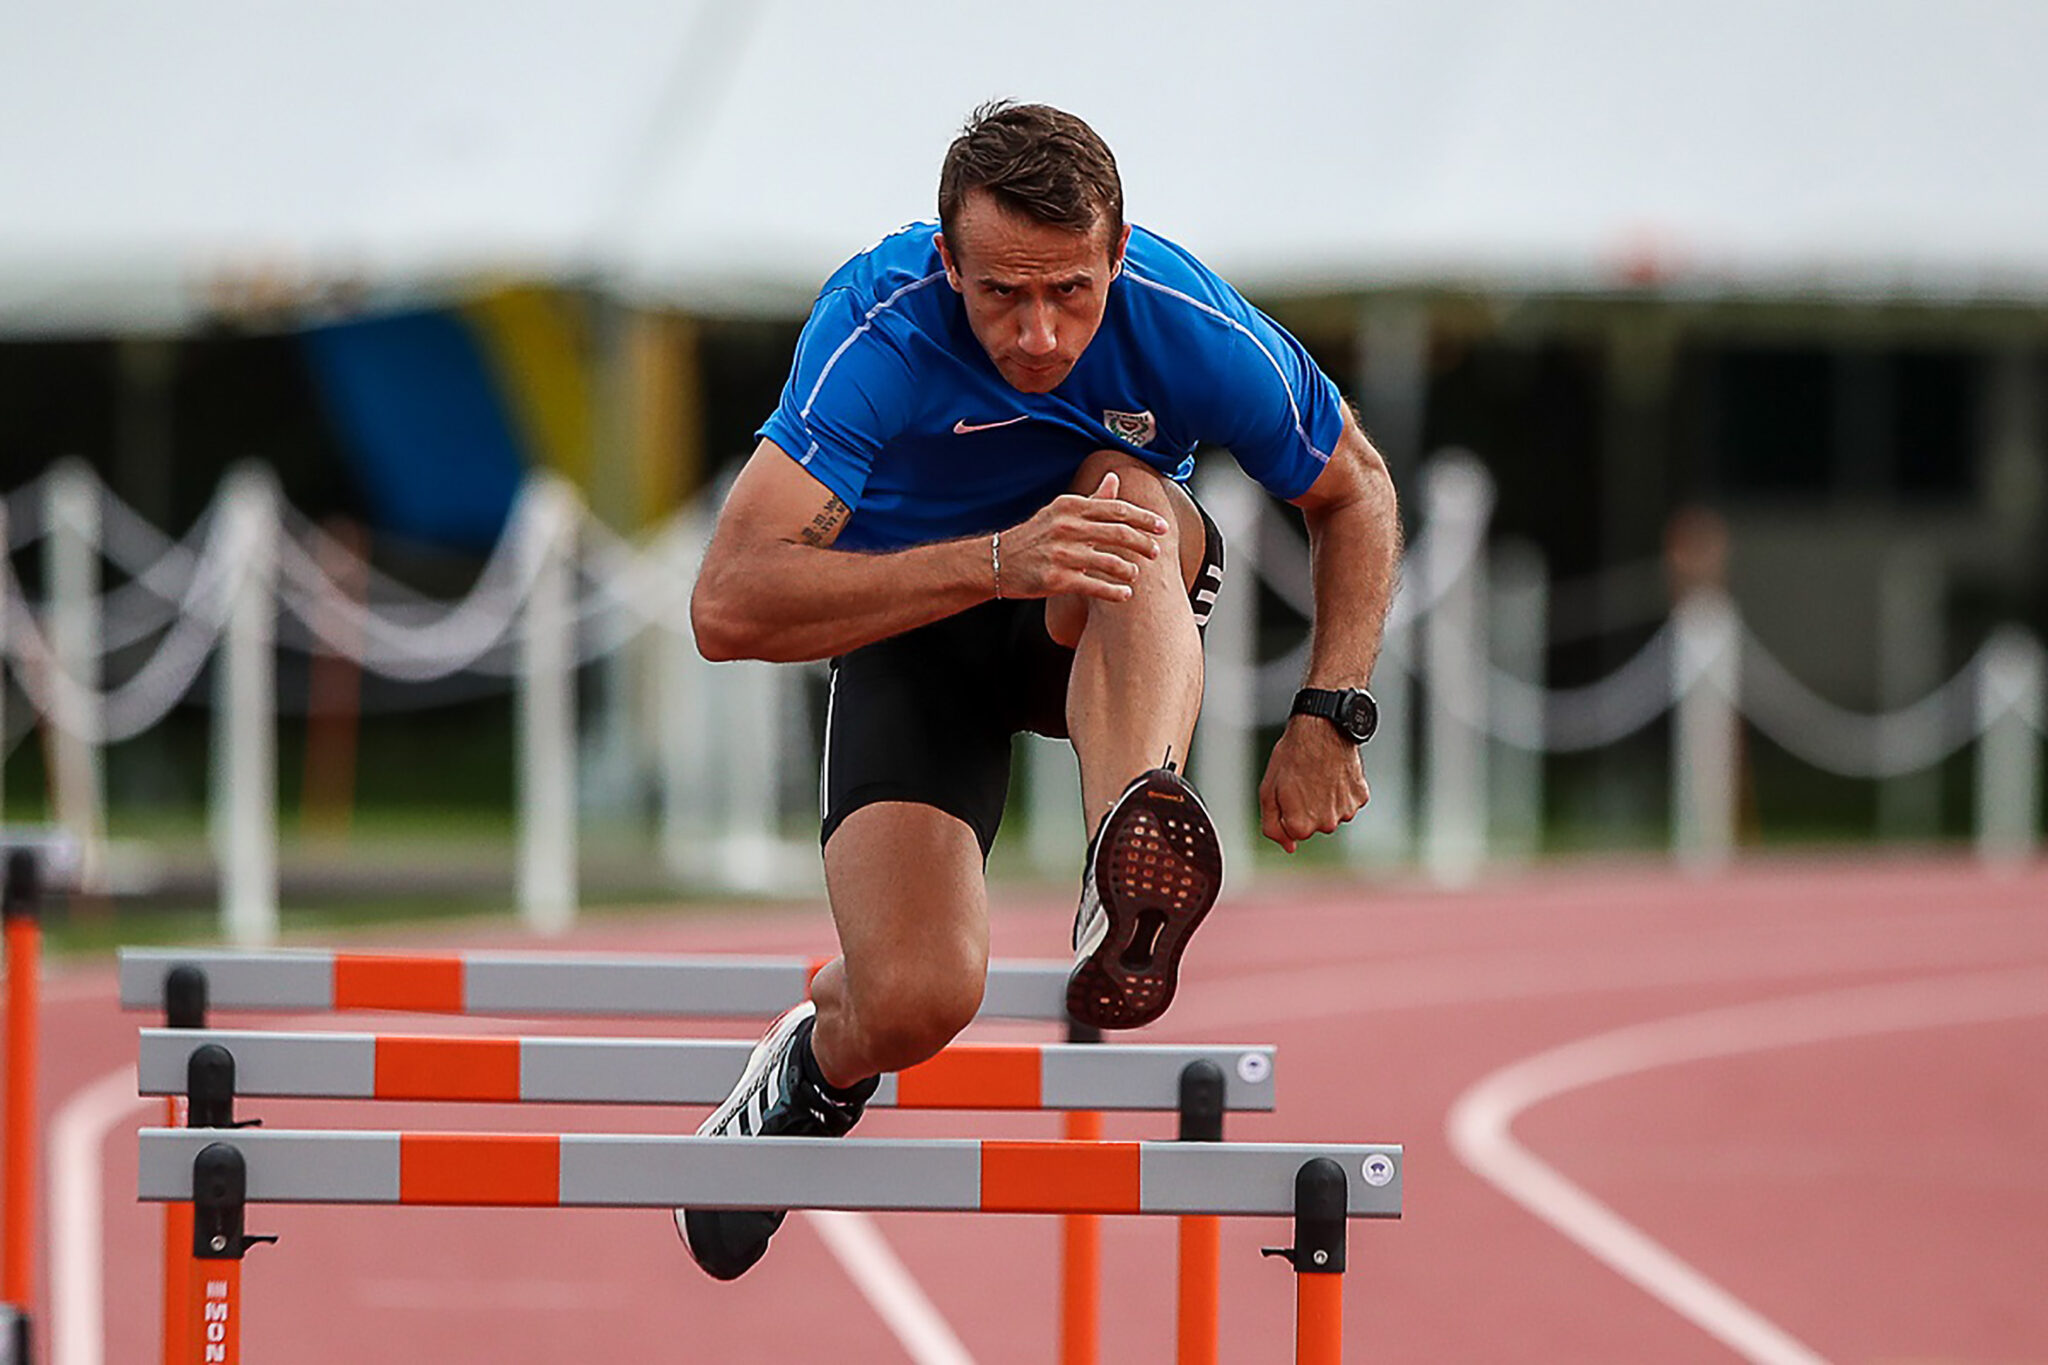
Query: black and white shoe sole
[1158, 869]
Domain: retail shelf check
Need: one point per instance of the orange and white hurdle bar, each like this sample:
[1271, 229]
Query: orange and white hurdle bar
[554, 985]
[549, 1070]
[1321, 1186]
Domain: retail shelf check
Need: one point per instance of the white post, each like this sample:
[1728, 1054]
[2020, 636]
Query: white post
[1520, 630]
[72, 551]
[245, 715]
[1458, 497]
[547, 709]
[751, 764]
[1393, 383]
[1705, 734]
[2009, 717]
[797, 867]
[1226, 765]
[684, 760]
[1384, 833]
[683, 693]
[1052, 795]
[1912, 587]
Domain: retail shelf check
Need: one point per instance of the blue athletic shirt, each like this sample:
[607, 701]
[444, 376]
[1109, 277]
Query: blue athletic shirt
[894, 406]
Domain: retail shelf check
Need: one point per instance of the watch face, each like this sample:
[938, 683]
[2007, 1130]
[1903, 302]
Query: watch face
[1358, 716]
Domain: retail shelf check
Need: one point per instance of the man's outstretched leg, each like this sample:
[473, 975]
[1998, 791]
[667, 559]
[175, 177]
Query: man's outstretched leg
[907, 895]
[1154, 865]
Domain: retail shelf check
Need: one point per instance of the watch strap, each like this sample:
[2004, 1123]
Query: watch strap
[1351, 710]
[1317, 701]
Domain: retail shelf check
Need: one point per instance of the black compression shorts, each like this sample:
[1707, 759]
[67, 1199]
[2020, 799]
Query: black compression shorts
[927, 716]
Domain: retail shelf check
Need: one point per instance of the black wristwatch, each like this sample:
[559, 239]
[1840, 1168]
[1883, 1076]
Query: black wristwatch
[1351, 709]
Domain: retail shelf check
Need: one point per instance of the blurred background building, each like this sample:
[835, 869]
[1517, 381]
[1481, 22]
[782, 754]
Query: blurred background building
[1783, 262]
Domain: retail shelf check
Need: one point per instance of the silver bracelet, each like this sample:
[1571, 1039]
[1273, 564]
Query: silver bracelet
[995, 559]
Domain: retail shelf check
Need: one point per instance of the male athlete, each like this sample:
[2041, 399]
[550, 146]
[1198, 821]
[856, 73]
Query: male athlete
[971, 499]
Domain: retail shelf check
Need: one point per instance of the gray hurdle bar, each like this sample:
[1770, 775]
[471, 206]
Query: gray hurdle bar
[1321, 1186]
[595, 1170]
[586, 985]
[370, 1066]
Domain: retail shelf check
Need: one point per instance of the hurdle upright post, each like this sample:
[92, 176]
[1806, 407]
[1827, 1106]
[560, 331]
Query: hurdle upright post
[184, 1008]
[220, 1194]
[21, 906]
[1318, 1255]
[1201, 1234]
[1081, 1244]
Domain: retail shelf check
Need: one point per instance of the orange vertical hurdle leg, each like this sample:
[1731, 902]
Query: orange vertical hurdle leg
[213, 1331]
[184, 1007]
[1201, 1246]
[1201, 1235]
[19, 903]
[1318, 1319]
[1081, 1265]
[177, 1262]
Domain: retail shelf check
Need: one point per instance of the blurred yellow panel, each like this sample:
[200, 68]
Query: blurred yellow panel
[535, 342]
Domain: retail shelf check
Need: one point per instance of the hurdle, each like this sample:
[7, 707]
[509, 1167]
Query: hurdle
[186, 983]
[1322, 1187]
[212, 1069]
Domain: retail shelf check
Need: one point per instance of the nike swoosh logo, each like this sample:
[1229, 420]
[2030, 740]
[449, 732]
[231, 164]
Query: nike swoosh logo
[966, 428]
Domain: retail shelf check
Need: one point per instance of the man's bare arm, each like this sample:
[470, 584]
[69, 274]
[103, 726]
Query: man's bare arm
[772, 587]
[1314, 782]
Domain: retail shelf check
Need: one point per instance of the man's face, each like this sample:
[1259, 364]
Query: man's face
[1034, 294]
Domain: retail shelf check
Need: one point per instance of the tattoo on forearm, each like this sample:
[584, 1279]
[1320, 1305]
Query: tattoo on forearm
[826, 523]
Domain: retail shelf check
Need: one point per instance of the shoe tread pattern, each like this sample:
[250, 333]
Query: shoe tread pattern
[1158, 870]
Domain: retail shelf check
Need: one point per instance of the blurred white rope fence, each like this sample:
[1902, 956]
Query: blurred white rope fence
[1456, 771]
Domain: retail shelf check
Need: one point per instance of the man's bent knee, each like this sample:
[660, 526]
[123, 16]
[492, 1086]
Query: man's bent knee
[1066, 617]
[1136, 481]
[1140, 483]
[907, 1016]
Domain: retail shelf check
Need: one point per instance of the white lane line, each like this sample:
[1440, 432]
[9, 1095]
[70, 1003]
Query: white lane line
[871, 1263]
[1480, 1122]
[78, 1136]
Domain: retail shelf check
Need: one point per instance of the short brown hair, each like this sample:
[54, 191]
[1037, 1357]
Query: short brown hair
[1036, 160]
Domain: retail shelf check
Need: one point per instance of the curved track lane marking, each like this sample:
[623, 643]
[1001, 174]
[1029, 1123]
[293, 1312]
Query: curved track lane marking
[78, 1135]
[1480, 1122]
[1360, 983]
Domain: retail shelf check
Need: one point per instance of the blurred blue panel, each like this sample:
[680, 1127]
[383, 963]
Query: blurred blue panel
[424, 425]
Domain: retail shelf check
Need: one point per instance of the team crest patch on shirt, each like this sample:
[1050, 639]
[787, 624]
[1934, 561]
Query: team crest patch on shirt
[1132, 428]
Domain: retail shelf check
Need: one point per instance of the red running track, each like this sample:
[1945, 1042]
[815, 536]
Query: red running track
[1826, 1106]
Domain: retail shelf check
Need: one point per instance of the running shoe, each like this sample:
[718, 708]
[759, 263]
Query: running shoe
[774, 1098]
[1153, 870]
